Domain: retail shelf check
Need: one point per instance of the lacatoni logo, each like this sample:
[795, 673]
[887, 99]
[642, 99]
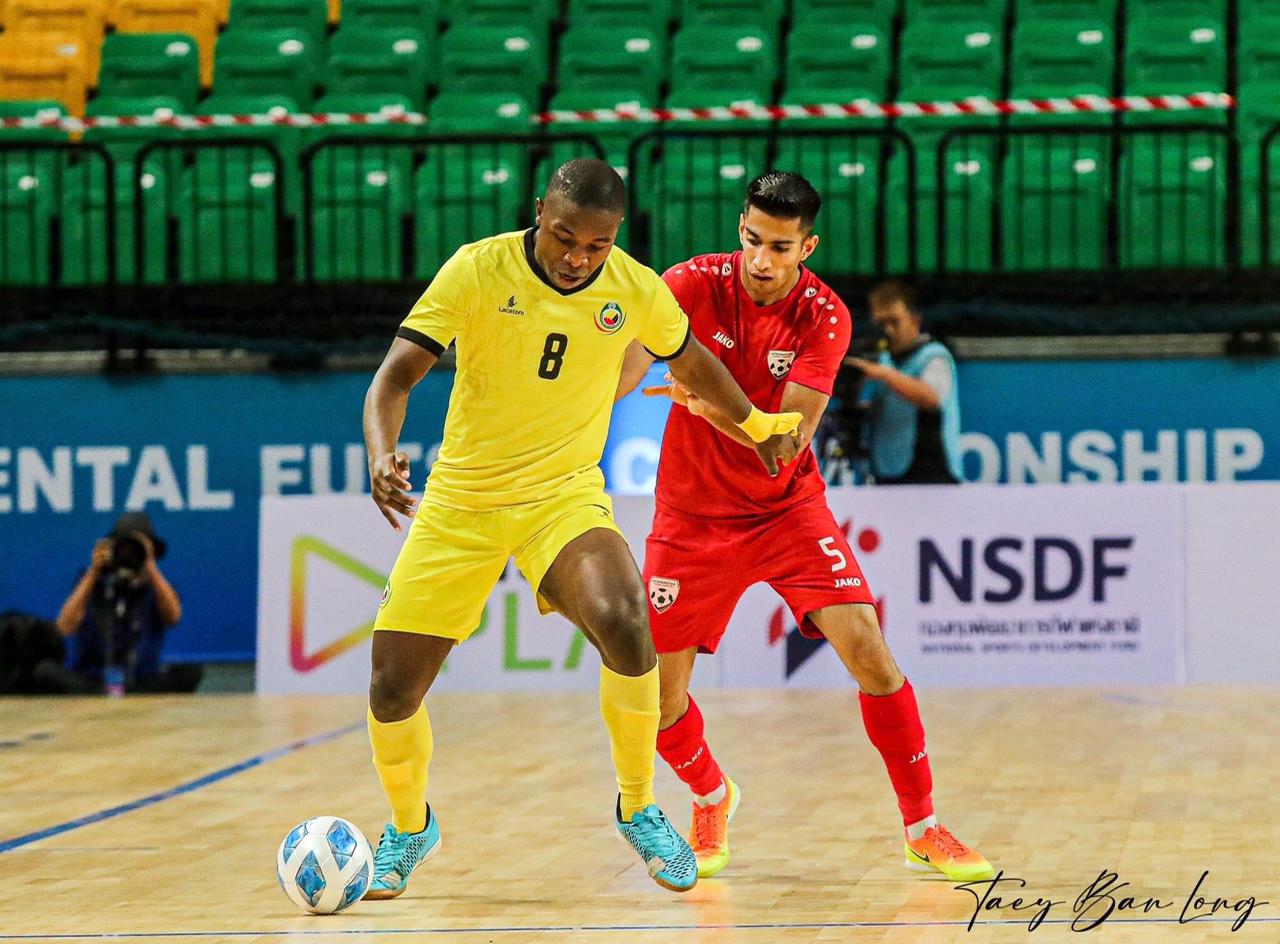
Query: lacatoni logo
[800, 648]
[610, 318]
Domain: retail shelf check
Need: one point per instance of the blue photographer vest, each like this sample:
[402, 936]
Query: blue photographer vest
[907, 443]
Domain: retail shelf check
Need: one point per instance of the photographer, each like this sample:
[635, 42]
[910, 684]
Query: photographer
[119, 611]
[913, 410]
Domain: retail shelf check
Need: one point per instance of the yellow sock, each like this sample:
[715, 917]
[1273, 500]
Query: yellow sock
[630, 709]
[401, 753]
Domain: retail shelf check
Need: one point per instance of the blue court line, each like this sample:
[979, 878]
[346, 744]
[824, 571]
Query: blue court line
[8, 845]
[560, 929]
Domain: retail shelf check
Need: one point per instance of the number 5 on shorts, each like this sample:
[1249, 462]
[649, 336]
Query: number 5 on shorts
[835, 552]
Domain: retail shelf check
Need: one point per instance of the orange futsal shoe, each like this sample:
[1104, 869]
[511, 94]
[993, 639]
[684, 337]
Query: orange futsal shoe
[938, 850]
[709, 834]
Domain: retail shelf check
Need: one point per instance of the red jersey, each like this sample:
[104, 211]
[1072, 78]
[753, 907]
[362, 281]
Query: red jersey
[800, 339]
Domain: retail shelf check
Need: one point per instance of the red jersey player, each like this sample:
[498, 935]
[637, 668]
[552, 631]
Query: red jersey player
[722, 523]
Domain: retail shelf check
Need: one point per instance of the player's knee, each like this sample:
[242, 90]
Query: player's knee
[390, 699]
[621, 623]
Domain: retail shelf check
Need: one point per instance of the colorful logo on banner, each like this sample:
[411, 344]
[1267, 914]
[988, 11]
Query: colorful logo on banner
[798, 647]
[304, 548]
[610, 318]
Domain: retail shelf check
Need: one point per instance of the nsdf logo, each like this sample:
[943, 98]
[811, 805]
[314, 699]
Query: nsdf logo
[1008, 569]
[799, 648]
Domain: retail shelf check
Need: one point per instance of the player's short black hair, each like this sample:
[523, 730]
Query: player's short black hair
[590, 184]
[785, 195]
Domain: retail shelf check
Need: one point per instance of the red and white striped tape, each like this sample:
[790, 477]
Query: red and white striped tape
[1081, 104]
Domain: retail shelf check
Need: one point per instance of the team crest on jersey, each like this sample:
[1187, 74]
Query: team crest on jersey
[780, 363]
[610, 318]
[663, 593]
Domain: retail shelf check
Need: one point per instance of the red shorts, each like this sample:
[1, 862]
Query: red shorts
[697, 570]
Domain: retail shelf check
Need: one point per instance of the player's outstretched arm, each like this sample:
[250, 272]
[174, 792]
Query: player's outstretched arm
[635, 364]
[705, 377]
[385, 404]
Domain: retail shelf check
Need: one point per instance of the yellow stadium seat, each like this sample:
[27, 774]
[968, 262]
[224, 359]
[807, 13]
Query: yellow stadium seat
[197, 18]
[335, 11]
[83, 19]
[48, 67]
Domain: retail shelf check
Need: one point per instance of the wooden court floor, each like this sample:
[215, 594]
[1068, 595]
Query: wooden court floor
[153, 820]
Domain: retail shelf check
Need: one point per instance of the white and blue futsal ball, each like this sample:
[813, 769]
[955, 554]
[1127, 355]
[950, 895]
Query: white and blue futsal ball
[324, 865]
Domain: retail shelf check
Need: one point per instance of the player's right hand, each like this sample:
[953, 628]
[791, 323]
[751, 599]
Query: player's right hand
[776, 450]
[671, 389]
[389, 482]
[101, 558]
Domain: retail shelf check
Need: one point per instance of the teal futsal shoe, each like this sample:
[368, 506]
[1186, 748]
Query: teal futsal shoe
[665, 852]
[398, 855]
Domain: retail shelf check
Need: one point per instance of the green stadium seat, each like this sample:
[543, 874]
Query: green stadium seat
[849, 173]
[1054, 200]
[957, 11]
[612, 58]
[531, 14]
[360, 193]
[157, 173]
[837, 63]
[422, 14]
[28, 198]
[33, 109]
[879, 13]
[493, 59]
[766, 15]
[944, 62]
[1159, 9]
[225, 204]
[1098, 11]
[479, 113]
[381, 59]
[287, 141]
[136, 65]
[693, 186]
[947, 61]
[1173, 201]
[464, 193]
[708, 59]
[1175, 54]
[312, 16]
[1257, 117]
[655, 14]
[1057, 58]
[267, 62]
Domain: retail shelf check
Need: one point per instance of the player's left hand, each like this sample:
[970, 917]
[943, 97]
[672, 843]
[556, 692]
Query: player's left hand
[873, 369]
[792, 445]
[675, 391]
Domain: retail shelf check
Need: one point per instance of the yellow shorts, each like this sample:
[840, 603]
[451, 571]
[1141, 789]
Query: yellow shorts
[451, 559]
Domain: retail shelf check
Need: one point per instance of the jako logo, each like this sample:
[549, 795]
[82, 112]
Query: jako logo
[724, 339]
[1007, 563]
[800, 648]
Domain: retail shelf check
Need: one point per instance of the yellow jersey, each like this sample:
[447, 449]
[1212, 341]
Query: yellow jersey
[537, 367]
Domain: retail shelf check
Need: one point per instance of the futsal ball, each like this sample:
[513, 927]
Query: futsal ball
[324, 865]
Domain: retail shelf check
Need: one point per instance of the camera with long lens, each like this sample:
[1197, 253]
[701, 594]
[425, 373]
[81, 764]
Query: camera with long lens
[850, 415]
[128, 556]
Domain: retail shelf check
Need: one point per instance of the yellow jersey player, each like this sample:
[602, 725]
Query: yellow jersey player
[542, 320]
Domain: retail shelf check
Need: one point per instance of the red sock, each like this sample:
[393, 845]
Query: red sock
[893, 724]
[683, 747]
